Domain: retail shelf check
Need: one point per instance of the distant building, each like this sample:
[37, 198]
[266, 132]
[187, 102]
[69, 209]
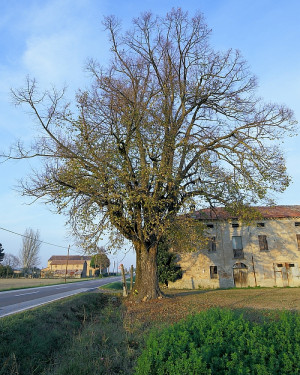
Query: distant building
[264, 253]
[76, 266]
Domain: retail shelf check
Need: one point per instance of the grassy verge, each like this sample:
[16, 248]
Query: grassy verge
[78, 335]
[102, 347]
[117, 286]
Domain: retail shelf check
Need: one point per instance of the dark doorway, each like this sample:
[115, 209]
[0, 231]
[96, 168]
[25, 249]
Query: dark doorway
[240, 275]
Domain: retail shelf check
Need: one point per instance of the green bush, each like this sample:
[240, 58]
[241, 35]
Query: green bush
[221, 342]
[167, 267]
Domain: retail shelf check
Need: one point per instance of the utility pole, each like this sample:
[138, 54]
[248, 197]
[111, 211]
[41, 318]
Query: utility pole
[67, 264]
[254, 273]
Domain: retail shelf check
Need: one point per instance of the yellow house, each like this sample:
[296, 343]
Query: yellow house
[76, 266]
[264, 253]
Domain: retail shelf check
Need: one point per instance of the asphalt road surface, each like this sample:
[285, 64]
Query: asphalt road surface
[14, 301]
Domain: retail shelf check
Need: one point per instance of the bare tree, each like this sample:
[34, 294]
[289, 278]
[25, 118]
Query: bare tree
[11, 260]
[169, 123]
[29, 253]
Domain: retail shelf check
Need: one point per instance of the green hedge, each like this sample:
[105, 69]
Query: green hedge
[221, 342]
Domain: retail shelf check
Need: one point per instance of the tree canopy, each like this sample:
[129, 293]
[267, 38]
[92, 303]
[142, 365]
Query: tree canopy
[168, 123]
[100, 260]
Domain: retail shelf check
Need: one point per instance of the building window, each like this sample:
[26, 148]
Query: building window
[263, 243]
[237, 247]
[235, 225]
[298, 240]
[213, 272]
[212, 244]
[209, 225]
[297, 223]
[260, 225]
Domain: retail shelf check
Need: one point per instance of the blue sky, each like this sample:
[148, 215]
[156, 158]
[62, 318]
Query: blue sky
[51, 41]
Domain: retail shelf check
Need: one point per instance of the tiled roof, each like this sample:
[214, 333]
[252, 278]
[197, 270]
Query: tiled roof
[70, 257]
[71, 262]
[272, 212]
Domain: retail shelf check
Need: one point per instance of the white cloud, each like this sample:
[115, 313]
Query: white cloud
[61, 36]
[52, 58]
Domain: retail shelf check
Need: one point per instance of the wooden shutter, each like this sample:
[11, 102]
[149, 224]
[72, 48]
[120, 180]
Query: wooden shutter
[298, 240]
[212, 244]
[263, 243]
[237, 243]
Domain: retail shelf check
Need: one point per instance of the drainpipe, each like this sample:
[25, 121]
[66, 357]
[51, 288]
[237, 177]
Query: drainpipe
[254, 271]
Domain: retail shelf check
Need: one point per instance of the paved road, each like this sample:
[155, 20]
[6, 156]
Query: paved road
[22, 299]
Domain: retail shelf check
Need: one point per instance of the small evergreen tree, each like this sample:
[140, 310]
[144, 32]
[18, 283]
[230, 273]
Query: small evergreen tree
[168, 269]
[1, 252]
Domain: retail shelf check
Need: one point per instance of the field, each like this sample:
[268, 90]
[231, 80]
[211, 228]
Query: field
[19, 283]
[179, 304]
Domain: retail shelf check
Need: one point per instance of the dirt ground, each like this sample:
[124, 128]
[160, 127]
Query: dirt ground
[179, 304]
[6, 284]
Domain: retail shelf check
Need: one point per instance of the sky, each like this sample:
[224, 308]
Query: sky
[51, 41]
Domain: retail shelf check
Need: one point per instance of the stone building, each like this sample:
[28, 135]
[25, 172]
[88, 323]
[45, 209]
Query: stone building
[76, 266]
[264, 253]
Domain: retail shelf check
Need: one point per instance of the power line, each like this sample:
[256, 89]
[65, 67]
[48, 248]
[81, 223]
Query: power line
[22, 235]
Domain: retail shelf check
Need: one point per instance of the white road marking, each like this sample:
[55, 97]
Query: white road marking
[24, 294]
[44, 302]
[22, 306]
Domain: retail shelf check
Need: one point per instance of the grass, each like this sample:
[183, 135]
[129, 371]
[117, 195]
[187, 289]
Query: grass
[102, 347]
[98, 333]
[180, 303]
[81, 332]
[116, 286]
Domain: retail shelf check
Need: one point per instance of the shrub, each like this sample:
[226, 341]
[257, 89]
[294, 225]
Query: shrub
[221, 342]
[167, 267]
[6, 271]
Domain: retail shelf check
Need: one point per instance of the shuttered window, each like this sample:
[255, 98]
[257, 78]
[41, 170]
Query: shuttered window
[237, 243]
[263, 243]
[237, 247]
[298, 240]
[212, 244]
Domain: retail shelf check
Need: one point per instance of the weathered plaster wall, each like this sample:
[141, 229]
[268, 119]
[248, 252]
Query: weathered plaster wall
[279, 266]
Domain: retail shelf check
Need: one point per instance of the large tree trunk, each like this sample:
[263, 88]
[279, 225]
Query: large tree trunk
[146, 280]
